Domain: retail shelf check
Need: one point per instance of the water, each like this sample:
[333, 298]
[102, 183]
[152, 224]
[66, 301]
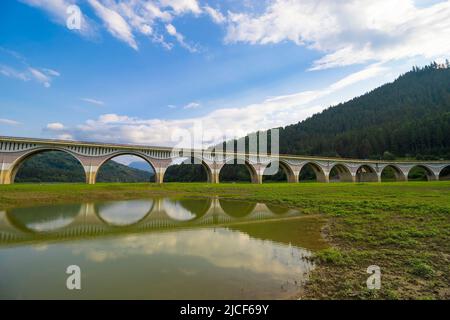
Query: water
[158, 248]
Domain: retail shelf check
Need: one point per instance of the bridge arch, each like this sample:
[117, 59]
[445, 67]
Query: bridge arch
[342, 172]
[283, 165]
[397, 173]
[195, 161]
[123, 153]
[254, 175]
[21, 159]
[111, 213]
[366, 173]
[413, 171]
[237, 209]
[43, 219]
[444, 174]
[316, 168]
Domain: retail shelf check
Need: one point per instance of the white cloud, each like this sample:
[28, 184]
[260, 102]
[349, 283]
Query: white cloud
[13, 73]
[215, 15]
[127, 19]
[171, 106]
[171, 30]
[57, 9]
[9, 122]
[93, 101]
[55, 126]
[233, 122]
[182, 6]
[43, 76]
[115, 23]
[192, 105]
[350, 32]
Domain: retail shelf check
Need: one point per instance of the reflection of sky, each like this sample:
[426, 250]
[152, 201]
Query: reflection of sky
[220, 247]
[123, 213]
[176, 211]
[50, 225]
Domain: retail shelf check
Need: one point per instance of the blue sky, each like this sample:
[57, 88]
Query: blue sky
[149, 72]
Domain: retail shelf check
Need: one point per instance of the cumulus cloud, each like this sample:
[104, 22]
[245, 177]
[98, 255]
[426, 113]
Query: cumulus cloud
[204, 131]
[351, 32]
[55, 126]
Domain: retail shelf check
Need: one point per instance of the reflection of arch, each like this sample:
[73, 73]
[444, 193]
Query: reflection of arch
[428, 172]
[277, 210]
[251, 169]
[19, 161]
[43, 218]
[444, 174]
[126, 153]
[198, 161]
[366, 173]
[113, 213]
[343, 173]
[237, 209]
[398, 174]
[188, 209]
[290, 176]
[318, 171]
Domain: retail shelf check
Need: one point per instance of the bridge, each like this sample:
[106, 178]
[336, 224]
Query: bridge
[14, 151]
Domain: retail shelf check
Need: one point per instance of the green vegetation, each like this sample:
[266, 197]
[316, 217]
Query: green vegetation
[408, 118]
[57, 166]
[402, 227]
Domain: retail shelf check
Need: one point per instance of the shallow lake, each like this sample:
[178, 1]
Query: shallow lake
[161, 248]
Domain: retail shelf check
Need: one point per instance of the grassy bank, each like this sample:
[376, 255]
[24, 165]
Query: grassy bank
[402, 227]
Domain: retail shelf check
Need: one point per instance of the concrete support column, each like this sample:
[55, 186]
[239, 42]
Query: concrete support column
[323, 177]
[215, 176]
[91, 174]
[159, 174]
[293, 173]
[294, 177]
[379, 177]
[6, 172]
[257, 175]
[434, 176]
[215, 168]
[5, 177]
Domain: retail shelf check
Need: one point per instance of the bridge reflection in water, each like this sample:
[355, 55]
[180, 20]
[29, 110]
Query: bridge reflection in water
[158, 248]
[89, 219]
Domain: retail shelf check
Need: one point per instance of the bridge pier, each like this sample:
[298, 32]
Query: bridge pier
[5, 177]
[91, 174]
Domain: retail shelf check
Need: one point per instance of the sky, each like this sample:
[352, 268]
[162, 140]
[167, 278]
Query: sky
[193, 72]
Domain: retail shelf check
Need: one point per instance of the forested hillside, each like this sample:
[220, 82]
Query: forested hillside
[61, 167]
[409, 117]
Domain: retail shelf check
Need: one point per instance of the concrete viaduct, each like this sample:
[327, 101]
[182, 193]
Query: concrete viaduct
[14, 151]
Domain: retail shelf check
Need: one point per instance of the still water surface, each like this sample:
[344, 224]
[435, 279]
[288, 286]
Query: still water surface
[159, 248]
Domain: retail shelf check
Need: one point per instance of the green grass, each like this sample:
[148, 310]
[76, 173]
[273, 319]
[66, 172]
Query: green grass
[402, 227]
